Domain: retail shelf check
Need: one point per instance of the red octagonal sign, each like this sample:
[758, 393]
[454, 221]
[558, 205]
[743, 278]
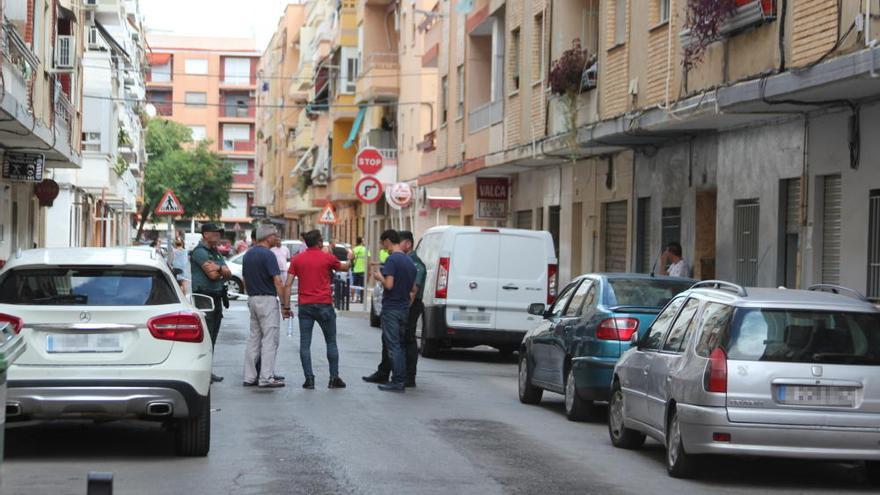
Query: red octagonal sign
[369, 161]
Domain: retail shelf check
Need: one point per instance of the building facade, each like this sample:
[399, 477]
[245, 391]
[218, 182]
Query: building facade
[210, 85]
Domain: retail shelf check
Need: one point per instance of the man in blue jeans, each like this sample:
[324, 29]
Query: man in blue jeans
[313, 267]
[397, 276]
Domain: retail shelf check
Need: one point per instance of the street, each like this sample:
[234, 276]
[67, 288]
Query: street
[461, 431]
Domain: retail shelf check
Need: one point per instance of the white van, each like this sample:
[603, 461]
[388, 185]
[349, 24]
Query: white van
[480, 284]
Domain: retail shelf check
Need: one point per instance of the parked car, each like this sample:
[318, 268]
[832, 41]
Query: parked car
[761, 372]
[572, 351]
[110, 335]
[235, 285]
[480, 282]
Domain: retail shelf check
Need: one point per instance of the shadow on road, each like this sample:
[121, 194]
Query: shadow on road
[85, 439]
[477, 355]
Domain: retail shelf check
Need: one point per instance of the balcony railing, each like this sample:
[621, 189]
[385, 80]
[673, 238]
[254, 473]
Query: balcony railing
[380, 60]
[63, 115]
[238, 145]
[19, 64]
[239, 111]
[163, 108]
[486, 115]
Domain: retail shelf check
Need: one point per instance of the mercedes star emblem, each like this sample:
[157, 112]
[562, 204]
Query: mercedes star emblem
[85, 317]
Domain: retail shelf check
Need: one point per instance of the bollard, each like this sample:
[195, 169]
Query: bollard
[100, 483]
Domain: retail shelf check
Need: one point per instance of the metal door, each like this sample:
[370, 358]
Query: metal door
[874, 246]
[614, 219]
[831, 198]
[745, 221]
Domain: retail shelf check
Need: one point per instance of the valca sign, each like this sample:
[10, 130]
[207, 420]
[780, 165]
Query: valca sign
[492, 196]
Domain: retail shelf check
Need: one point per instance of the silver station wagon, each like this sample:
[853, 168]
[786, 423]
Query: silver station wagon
[759, 372]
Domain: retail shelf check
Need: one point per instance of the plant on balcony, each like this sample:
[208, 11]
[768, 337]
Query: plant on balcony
[123, 139]
[566, 76]
[120, 167]
[703, 24]
[304, 182]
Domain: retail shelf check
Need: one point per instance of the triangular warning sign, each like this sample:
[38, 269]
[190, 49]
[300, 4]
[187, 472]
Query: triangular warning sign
[328, 215]
[169, 205]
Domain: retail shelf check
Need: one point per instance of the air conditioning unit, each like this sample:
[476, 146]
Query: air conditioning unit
[64, 52]
[91, 3]
[93, 38]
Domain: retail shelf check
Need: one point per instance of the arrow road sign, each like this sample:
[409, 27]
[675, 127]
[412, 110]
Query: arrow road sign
[169, 205]
[368, 189]
[328, 216]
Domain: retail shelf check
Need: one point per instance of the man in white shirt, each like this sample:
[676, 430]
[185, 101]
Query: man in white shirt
[677, 266]
[282, 254]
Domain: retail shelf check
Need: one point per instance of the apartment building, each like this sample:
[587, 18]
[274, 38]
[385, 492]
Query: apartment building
[210, 85]
[40, 115]
[96, 202]
[278, 113]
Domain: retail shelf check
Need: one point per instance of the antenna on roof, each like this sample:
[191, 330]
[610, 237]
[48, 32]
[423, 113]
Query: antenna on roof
[654, 267]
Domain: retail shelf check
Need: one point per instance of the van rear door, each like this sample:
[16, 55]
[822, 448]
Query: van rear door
[473, 280]
[523, 261]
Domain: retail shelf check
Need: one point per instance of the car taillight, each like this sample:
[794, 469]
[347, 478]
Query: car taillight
[716, 372]
[620, 329]
[15, 322]
[552, 272]
[442, 279]
[180, 327]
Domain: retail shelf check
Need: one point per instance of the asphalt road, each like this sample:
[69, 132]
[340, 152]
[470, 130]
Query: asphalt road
[461, 431]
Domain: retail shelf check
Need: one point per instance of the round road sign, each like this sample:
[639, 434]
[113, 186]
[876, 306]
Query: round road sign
[369, 161]
[399, 195]
[368, 189]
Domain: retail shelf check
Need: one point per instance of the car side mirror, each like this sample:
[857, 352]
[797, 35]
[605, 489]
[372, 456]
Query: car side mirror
[203, 303]
[536, 309]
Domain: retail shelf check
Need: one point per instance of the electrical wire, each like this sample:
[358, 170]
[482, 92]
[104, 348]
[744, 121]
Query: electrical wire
[313, 106]
[258, 77]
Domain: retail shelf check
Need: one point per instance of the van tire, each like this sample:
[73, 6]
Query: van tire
[873, 470]
[429, 348]
[192, 437]
[528, 393]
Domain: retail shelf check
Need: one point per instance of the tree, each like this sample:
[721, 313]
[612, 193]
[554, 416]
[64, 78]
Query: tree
[199, 177]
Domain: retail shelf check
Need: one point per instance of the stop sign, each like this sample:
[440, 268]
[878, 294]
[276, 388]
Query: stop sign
[369, 161]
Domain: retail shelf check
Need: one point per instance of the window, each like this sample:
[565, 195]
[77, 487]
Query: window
[235, 133]
[196, 98]
[198, 133]
[583, 298]
[654, 292]
[349, 71]
[196, 66]
[874, 245]
[237, 71]
[444, 99]
[524, 219]
[161, 73]
[663, 11]
[538, 48]
[239, 167]
[460, 90]
[745, 220]
[670, 225]
[562, 301]
[514, 59]
[658, 329]
[87, 287]
[831, 216]
[682, 327]
[619, 22]
[713, 327]
[91, 141]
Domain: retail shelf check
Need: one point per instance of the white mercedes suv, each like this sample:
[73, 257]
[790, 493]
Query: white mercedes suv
[109, 335]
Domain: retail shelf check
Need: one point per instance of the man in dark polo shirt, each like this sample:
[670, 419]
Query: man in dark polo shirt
[209, 273]
[262, 278]
[313, 267]
[398, 277]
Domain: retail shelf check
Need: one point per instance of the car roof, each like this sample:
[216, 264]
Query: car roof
[636, 276]
[764, 297]
[107, 256]
[457, 229]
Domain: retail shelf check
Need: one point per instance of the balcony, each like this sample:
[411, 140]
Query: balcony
[485, 116]
[238, 111]
[64, 115]
[379, 79]
[233, 145]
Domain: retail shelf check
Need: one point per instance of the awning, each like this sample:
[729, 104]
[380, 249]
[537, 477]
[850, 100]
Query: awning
[158, 58]
[443, 197]
[362, 111]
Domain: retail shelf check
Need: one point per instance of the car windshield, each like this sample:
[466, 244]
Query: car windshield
[797, 336]
[646, 292]
[86, 287]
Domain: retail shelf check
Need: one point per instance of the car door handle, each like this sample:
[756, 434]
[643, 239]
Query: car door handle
[510, 287]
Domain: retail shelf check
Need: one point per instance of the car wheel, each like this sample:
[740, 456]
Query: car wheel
[679, 463]
[576, 409]
[873, 470]
[621, 436]
[429, 348]
[375, 321]
[528, 393]
[193, 435]
[234, 286]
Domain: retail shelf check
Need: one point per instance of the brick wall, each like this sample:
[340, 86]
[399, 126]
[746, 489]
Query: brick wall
[615, 83]
[814, 29]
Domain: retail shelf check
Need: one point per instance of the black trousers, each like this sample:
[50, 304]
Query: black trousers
[412, 346]
[214, 318]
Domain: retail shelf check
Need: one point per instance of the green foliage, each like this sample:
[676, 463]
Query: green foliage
[120, 167]
[199, 177]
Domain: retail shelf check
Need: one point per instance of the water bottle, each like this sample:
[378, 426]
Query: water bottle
[290, 327]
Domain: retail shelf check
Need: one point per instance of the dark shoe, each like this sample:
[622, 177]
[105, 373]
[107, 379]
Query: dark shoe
[280, 377]
[410, 383]
[336, 382]
[271, 383]
[216, 378]
[376, 377]
[249, 384]
[309, 383]
[392, 387]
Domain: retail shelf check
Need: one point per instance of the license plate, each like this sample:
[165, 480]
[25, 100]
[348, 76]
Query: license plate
[816, 395]
[466, 317]
[83, 342]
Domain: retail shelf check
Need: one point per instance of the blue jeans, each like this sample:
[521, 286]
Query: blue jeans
[325, 315]
[394, 335]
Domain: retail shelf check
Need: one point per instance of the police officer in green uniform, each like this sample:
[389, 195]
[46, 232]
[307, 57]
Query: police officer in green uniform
[209, 272]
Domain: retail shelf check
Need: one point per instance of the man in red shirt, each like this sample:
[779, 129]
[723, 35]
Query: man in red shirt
[313, 267]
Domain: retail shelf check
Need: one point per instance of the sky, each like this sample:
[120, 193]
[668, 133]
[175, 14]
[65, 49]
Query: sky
[234, 18]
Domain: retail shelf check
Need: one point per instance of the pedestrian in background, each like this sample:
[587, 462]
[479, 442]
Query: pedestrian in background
[672, 257]
[397, 276]
[263, 281]
[282, 255]
[209, 272]
[313, 268]
[416, 308]
[359, 268]
[180, 265]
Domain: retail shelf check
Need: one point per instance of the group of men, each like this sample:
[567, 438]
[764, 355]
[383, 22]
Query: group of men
[402, 276]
